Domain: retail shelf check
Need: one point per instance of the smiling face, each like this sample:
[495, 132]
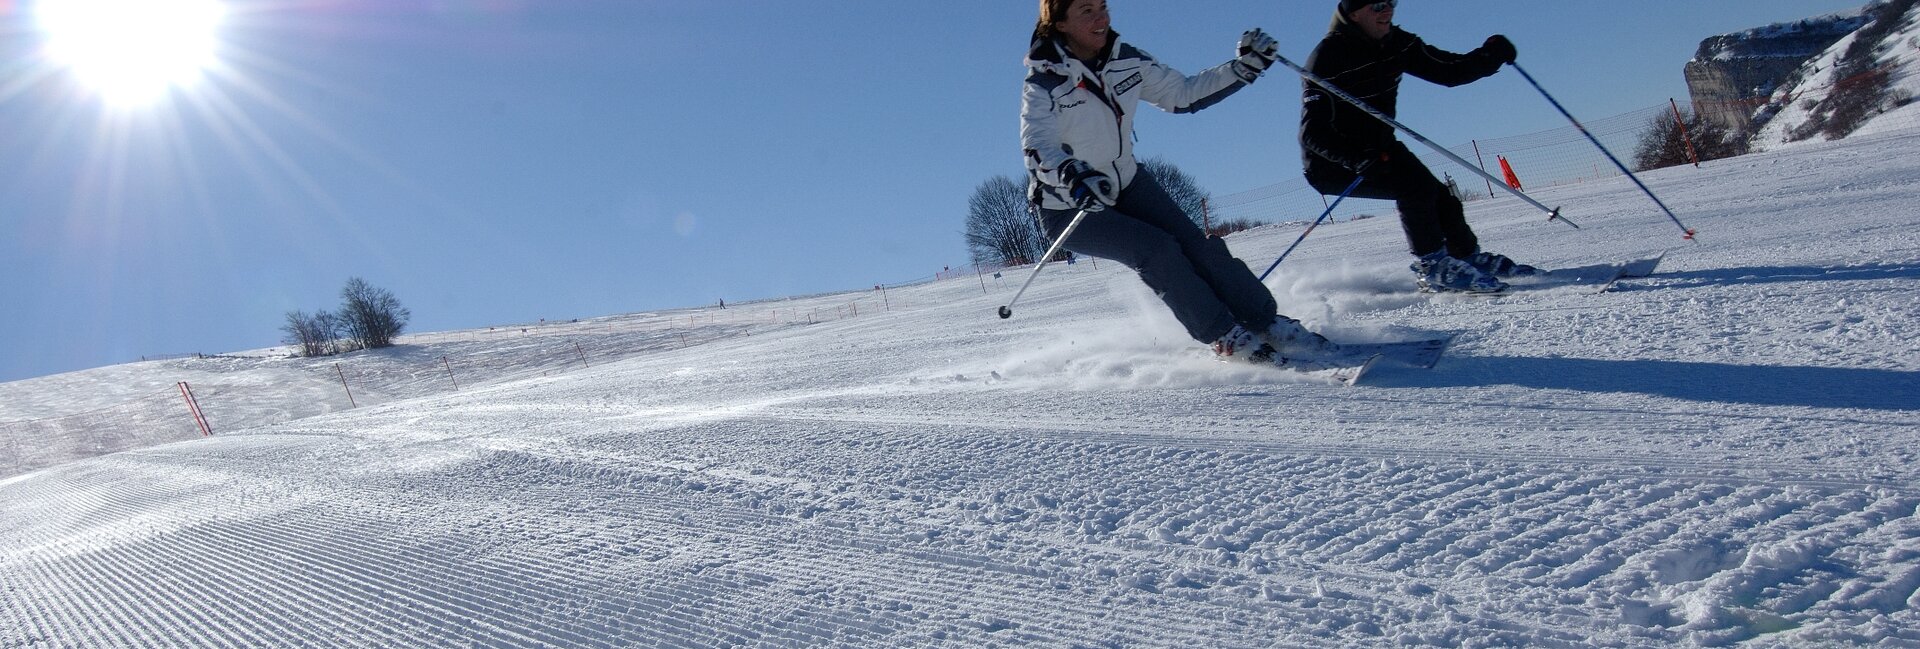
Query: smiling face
[1085, 27]
[1375, 24]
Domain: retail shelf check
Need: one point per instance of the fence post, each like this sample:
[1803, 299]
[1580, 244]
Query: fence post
[582, 353]
[193, 407]
[1691, 153]
[1483, 167]
[450, 377]
[343, 384]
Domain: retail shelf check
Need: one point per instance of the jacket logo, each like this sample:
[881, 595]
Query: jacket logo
[1129, 84]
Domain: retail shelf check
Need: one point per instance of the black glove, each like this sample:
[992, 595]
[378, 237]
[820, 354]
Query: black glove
[1500, 49]
[1257, 50]
[1091, 190]
[1373, 160]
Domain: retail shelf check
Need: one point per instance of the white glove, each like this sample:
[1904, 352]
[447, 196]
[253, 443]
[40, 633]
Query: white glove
[1257, 50]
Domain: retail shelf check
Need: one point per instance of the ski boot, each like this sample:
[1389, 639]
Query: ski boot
[1439, 272]
[1290, 340]
[1242, 345]
[1499, 265]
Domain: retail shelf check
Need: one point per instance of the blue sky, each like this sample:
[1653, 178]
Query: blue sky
[503, 161]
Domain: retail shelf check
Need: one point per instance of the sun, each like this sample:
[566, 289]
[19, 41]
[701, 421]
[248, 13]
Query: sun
[132, 52]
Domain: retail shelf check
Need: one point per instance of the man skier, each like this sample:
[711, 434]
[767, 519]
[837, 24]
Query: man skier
[1365, 55]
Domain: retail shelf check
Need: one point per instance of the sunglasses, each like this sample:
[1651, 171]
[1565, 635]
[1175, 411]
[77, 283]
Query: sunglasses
[1382, 7]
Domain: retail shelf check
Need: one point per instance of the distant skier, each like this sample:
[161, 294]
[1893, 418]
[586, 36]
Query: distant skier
[1365, 55]
[1076, 124]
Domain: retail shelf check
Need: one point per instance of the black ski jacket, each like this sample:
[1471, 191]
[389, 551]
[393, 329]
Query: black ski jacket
[1333, 132]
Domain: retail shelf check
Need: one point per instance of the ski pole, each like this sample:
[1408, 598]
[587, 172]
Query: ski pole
[1007, 311]
[1553, 213]
[1603, 149]
[1316, 223]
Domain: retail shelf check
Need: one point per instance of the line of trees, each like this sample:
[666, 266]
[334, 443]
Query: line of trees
[368, 318]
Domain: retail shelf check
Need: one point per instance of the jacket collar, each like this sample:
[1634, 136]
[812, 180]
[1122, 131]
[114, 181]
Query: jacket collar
[1053, 51]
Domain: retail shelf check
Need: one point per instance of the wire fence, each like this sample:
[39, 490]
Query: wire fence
[138, 423]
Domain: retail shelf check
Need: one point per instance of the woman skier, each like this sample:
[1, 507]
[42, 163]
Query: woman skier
[1082, 90]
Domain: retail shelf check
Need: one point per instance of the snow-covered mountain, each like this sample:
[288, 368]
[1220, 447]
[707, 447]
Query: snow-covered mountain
[1724, 454]
[1732, 74]
[1865, 83]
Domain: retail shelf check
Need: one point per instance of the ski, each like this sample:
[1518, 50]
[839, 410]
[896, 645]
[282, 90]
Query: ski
[1356, 359]
[1346, 371]
[1351, 376]
[1353, 360]
[1633, 269]
[1422, 354]
[1599, 277]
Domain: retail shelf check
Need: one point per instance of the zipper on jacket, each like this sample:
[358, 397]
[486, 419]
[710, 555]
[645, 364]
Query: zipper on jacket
[1099, 90]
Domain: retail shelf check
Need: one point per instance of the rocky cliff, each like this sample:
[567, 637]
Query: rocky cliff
[1733, 74]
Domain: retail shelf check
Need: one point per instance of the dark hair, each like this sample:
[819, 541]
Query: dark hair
[1052, 12]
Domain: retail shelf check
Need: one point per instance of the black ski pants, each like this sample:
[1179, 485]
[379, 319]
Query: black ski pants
[1432, 216]
[1208, 289]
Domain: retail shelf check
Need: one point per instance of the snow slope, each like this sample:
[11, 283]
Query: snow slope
[1723, 454]
[1900, 54]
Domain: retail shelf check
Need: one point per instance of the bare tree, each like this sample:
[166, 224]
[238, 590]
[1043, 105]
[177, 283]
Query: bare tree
[304, 330]
[1001, 226]
[1181, 187]
[327, 324]
[371, 316]
[1665, 143]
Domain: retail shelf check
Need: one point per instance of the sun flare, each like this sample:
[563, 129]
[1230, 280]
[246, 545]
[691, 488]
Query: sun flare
[132, 51]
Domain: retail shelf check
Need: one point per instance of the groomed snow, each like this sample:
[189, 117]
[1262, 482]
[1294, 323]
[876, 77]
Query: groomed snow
[1723, 454]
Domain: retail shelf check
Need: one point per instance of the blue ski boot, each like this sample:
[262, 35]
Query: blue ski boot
[1439, 272]
[1499, 265]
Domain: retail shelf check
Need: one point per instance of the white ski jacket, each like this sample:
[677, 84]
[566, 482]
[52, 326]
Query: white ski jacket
[1070, 111]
